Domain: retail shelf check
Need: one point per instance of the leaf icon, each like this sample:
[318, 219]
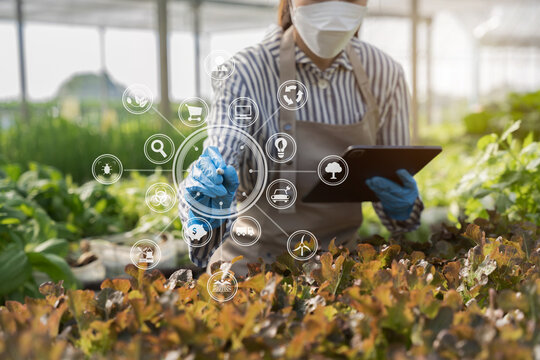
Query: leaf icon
[141, 101]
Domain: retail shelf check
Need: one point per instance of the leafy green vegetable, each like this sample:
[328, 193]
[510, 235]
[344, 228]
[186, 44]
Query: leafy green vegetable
[44, 214]
[14, 268]
[506, 178]
[52, 265]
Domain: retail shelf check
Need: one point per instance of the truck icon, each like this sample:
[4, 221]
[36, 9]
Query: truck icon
[244, 230]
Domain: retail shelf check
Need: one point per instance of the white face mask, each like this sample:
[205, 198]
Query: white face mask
[327, 27]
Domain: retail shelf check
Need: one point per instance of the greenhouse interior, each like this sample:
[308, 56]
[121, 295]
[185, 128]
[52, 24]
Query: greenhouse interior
[158, 182]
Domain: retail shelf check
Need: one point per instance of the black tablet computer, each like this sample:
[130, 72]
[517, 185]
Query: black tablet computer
[364, 162]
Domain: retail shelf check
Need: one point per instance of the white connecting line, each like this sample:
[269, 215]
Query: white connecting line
[284, 171]
[152, 170]
[168, 122]
[264, 123]
[221, 243]
[272, 220]
[166, 227]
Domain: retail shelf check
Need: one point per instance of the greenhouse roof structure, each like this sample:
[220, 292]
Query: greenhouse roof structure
[491, 22]
[223, 15]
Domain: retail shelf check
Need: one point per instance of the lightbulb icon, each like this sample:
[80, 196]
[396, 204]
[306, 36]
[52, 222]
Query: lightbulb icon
[280, 145]
[281, 141]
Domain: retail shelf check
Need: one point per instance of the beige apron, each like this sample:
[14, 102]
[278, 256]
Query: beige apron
[314, 141]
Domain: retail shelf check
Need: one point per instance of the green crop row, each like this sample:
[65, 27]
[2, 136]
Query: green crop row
[72, 146]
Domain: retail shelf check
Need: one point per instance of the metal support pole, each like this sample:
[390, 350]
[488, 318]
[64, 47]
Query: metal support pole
[534, 61]
[22, 60]
[165, 106]
[507, 60]
[475, 98]
[429, 73]
[197, 44]
[103, 70]
[414, 64]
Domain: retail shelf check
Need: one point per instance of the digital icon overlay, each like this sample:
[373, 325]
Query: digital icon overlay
[197, 232]
[160, 197]
[145, 254]
[219, 65]
[246, 231]
[137, 99]
[280, 147]
[302, 245]
[191, 149]
[222, 286]
[333, 170]
[159, 149]
[281, 194]
[292, 95]
[193, 112]
[107, 169]
[243, 112]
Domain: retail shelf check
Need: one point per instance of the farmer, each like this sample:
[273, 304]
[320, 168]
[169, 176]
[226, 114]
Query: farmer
[357, 96]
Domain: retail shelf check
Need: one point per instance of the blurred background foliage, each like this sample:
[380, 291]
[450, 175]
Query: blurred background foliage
[71, 146]
[495, 116]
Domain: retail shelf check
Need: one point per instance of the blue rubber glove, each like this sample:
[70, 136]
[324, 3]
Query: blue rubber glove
[397, 201]
[210, 187]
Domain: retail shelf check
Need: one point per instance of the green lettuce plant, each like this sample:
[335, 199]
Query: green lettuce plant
[505, 178]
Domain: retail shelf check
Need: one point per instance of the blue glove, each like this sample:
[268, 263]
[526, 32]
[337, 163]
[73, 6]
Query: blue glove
[209, 186]
[397, 201]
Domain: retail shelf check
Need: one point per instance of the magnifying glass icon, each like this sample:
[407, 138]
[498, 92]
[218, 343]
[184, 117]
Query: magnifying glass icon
[157, 146]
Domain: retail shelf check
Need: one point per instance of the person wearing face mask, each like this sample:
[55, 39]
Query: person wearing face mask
[357, 95]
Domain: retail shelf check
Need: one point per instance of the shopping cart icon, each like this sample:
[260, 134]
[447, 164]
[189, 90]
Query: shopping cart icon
[195, 113]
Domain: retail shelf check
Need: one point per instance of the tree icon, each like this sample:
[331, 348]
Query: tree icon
[333, 168]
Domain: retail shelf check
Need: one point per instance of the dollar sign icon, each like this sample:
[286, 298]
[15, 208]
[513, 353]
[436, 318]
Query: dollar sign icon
[196, 232]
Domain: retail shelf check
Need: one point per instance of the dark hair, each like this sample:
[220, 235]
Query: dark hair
[284, 14]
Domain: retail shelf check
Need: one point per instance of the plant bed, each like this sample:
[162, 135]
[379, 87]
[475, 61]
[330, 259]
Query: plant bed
[88, 269]
[472, 292]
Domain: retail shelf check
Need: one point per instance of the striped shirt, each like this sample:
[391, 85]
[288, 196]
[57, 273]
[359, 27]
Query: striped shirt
[334, 98]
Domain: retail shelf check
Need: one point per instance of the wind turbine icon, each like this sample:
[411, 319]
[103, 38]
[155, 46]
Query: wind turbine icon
[302, 246]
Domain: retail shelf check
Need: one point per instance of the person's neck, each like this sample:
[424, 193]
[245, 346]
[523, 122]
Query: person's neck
[321, 63]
